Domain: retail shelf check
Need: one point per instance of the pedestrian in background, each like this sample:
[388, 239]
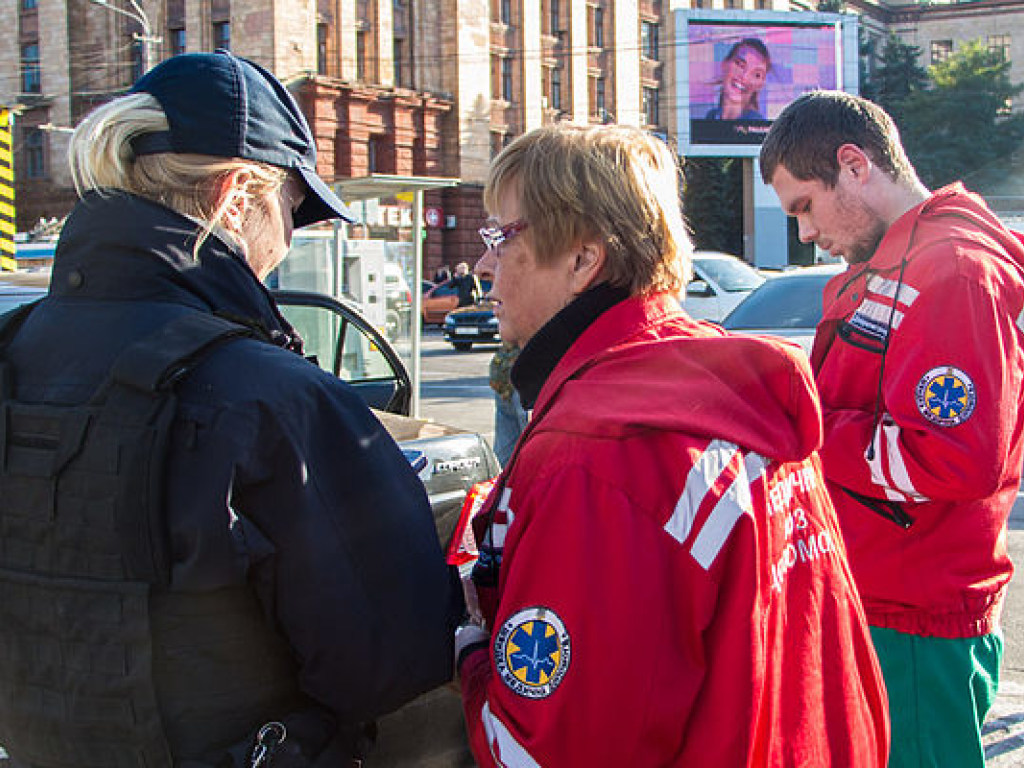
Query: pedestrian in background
[467, 285]
[661, 578]
[256, 567]
[510, 418]
[919, 360]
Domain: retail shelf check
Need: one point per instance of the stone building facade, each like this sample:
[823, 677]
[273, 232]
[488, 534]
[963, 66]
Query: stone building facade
[408, 87]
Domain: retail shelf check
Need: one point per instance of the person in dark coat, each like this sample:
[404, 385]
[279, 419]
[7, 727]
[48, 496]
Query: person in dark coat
[467, 285]
[305, 591]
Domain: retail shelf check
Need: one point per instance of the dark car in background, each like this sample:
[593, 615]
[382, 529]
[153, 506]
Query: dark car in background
[476, 324]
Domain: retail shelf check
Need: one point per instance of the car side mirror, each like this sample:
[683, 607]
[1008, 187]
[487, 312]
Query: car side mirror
[699, 289]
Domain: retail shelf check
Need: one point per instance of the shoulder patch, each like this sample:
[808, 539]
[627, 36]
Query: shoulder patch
[532, 652]
[945, 396]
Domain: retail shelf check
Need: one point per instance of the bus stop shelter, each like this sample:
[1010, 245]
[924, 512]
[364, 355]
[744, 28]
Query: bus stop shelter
[385, 186]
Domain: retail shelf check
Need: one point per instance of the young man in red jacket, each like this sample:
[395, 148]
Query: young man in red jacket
[919, 359]
[662, 581]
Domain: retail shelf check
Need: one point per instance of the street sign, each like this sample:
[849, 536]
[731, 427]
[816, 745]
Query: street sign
[7, 227]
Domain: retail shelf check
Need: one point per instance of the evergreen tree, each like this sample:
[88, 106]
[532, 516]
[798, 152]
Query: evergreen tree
[963, 122]
[897, 77]
[713, 203]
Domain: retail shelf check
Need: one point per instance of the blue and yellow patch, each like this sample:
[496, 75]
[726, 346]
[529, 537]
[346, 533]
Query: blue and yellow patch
[532, 652]
[945, 396]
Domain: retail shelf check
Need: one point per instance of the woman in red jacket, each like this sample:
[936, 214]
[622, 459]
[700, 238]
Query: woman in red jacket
[661, 579]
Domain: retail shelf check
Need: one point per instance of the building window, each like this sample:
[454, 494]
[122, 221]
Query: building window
[35, 166]
[176, 38]
[398, 56]
[762, 5]
[599, 27]
[321, 49]
[372, 152]
[506, 78]
[222, 35]
[556, 88]
[138, 59]
[649, 40]
[497, 143]
[28, 5]
[1000, 44]
[360, 55]
[31, 79]
[505, 11]
[650, 106]
[599, 109]
[733, 4]
[941, 50]
[556, 17]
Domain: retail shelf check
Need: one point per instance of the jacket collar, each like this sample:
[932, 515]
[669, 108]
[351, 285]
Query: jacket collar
[541, 354]
[622, 322]
[119, 246]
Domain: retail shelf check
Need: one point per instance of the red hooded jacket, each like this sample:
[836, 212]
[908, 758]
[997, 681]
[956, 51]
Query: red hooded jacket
[934, 436]
[673, 587]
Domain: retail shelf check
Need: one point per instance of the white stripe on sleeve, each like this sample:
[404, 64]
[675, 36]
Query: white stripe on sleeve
[702, 476]
[877, 470]
[730, 507]
[897, 467]
[506, 751]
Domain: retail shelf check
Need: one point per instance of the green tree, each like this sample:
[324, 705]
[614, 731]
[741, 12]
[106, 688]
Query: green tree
[713, 202]
[897, 77]
[963, 122]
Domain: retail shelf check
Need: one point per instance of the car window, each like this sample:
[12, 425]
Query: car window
[357, 359]
[732, 275]
[7, 303]
[781, 303]
[444, 289]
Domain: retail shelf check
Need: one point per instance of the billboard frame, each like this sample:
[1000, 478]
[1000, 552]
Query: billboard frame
[846, 63]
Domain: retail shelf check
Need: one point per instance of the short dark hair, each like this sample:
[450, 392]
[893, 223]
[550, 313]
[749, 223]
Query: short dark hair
[805, 137]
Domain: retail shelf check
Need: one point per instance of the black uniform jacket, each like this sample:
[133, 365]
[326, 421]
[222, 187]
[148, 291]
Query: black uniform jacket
[279, 476]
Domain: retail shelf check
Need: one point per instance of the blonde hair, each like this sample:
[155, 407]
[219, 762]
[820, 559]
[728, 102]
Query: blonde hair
[614, 183]
[102, 158]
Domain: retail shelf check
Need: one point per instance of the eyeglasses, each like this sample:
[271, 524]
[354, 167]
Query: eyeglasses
[494, 236]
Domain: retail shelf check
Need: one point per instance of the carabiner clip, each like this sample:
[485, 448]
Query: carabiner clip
[270, 737]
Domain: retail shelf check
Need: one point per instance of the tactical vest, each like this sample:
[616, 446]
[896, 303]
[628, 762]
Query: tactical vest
[86, 619]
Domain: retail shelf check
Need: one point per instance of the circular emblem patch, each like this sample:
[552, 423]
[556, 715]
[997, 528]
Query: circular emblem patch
[532, 652]
[945, 396]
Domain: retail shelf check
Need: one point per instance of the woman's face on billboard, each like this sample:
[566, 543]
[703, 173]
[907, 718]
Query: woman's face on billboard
[743, 76]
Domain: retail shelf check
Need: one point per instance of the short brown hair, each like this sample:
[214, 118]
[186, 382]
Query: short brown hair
[614, 183]
[805, 137]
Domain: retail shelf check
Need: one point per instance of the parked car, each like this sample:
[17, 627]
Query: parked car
[465, 326]
[789, 305]
[442, 299]
[719, 283]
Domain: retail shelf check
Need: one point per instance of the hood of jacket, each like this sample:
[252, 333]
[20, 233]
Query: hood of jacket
[646, 365]
[118, 246]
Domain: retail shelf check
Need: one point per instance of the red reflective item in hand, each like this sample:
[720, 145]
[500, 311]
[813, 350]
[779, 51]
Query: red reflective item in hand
[462, 547]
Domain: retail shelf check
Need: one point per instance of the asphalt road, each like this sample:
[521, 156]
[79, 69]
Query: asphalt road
[455, 391]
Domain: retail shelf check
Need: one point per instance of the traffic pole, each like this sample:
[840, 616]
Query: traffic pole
[7, 226]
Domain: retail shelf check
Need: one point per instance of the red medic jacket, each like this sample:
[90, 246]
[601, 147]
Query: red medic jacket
[943, 446]
[673, 589]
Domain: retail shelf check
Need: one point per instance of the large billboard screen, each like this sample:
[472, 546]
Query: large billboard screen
[739, 75]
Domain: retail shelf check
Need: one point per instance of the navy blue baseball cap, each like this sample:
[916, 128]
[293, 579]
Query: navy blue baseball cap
[222, 105]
